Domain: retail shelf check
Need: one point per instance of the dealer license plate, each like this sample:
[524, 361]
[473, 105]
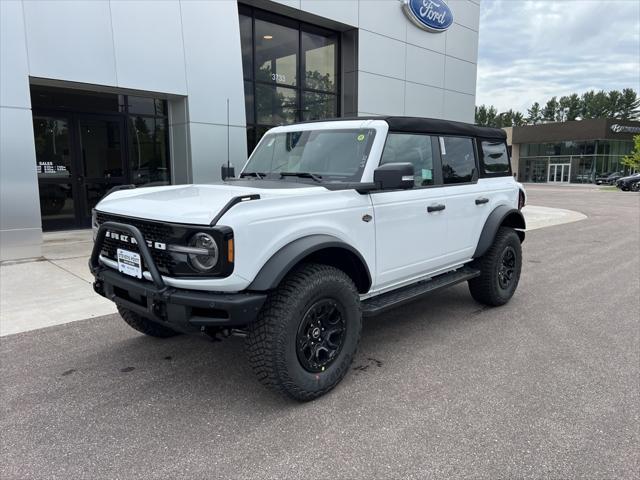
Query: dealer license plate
[129, 263]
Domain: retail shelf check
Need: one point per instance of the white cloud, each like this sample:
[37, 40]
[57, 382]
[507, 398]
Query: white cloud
[531, 50]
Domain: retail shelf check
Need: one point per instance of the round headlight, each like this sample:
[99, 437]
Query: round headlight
[208, 259]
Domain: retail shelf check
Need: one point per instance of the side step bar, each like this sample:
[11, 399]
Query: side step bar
[380, 303]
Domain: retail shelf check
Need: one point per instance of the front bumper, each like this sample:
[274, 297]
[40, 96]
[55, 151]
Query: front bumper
[180, 309]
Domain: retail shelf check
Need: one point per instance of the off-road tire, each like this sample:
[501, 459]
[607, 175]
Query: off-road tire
[486, 288]
[271, 344]
[144, 325]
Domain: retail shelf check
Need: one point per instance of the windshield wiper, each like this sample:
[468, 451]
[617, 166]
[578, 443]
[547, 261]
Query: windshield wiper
[317, 178]
[258, 175]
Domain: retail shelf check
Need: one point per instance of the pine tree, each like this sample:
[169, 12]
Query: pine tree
[534, 114]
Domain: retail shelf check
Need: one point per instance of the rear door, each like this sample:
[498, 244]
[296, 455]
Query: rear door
[411, 225]
[468, 203]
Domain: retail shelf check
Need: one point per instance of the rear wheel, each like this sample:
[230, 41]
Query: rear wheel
[500, 270]
[307, 333]
[144, 325]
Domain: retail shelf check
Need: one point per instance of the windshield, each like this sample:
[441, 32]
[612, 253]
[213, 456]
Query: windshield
[329, 155]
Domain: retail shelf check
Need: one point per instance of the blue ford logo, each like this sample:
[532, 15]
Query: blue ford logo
[430, 15]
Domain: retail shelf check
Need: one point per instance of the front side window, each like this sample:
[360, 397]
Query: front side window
[332, 155]
[495, 158]
[414, 149]
[458, 159]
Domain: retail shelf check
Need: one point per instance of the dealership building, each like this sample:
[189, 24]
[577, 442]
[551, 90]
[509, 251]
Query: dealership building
[571, 152]
[95, 94]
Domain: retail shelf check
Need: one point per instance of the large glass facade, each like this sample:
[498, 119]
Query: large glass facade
[89, 142]
[582, 161]
[290, 71]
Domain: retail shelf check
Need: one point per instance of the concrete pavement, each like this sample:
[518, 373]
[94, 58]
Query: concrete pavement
[544, 387]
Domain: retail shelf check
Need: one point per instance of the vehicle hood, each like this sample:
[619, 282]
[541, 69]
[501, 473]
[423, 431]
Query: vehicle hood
[194, 204]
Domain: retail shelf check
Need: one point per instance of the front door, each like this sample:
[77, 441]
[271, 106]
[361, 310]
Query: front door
[78, 159]
[411, 225]
[102, 160]
[559, 172]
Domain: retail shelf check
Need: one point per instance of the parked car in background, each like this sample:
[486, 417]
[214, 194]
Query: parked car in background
[613, 178]
[628, 183]
[602, 178]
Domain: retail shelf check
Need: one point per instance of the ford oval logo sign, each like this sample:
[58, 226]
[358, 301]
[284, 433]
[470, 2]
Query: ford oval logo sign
[430, 15]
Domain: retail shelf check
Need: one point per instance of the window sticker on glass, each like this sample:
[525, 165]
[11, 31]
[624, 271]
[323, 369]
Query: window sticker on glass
[443, 149]
[360, 137]
[427, 174]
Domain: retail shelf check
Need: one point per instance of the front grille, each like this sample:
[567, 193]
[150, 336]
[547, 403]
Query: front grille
[153, 231]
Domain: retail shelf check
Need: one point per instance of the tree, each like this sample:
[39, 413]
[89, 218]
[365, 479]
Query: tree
[550, 110]
[633, 159]
[569, 108]
[629, 105]
[534, 114]
[486, 116]
[615, 103]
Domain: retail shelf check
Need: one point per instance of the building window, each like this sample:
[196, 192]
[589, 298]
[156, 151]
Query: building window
[148, 141]
[290, 70]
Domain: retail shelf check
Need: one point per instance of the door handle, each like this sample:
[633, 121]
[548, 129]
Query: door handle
[481, 201]
[435, 208]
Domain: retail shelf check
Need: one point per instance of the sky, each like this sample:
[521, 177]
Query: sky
[531, 50]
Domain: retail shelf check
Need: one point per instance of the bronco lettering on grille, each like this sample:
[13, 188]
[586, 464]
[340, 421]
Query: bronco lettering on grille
[131, 240]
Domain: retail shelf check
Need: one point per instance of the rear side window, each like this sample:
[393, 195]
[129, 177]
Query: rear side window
[495, 158]
[458, 159]
[411, 148]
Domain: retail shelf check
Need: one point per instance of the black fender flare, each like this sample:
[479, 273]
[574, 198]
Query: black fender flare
[275, 269]
[502, 215]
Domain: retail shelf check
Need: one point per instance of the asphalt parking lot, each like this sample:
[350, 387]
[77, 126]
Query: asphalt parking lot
[544, 387]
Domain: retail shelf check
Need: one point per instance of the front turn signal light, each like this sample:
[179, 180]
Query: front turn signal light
[230, 250]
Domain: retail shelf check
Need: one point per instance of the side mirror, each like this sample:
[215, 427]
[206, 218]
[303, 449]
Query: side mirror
[227, 172]
[393, 176]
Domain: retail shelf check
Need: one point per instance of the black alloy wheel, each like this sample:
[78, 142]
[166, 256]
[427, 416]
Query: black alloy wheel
[320, 335]
[507, 268]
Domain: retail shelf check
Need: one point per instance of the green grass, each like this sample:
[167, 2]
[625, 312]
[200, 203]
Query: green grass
[609, 188]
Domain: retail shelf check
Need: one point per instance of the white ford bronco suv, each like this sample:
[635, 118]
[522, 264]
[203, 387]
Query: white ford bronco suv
[328, 222]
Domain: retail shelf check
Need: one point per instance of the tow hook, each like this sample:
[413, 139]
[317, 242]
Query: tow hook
[216, 334]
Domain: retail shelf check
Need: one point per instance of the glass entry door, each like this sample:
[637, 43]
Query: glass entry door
[55, 168]
[102, 164]
[78, 159]
[559, 172]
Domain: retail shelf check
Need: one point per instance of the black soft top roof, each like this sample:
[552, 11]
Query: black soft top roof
[430, 125]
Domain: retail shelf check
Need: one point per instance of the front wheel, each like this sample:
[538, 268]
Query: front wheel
[500, 270]
[307, 333]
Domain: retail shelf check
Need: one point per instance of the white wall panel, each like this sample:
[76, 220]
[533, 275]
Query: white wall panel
[424, 101]
[462, 43]
[288, 3]
[459, 106]
[209, 150]
[148, 45]
[381, 55]
[14, 84]
[343, 11]
[465, 13]
[384, 17]
[70, 41]
[425, 66]
[20, 225]
[213, 61]
[380, 95]
[460, 75]
[423, 39]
